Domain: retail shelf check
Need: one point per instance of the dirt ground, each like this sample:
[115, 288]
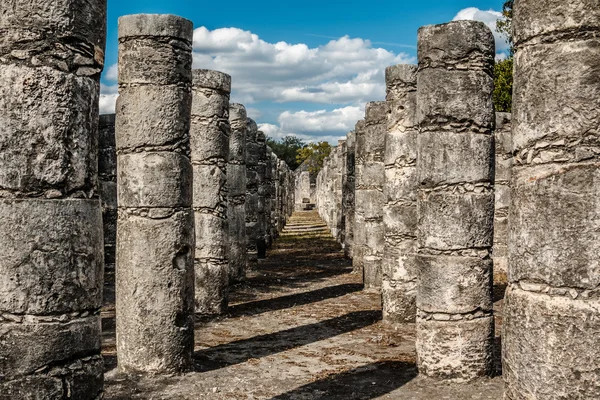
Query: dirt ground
[300, 327]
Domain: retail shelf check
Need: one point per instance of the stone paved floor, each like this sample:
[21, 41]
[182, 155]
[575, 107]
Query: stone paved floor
[300, 327]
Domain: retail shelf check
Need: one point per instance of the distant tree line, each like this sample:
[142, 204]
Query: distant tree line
[295, 151]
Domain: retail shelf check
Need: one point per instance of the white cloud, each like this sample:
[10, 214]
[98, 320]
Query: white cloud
[343, 71]
[312, 126]
[108, 98]
[322, 121]
[489, 18]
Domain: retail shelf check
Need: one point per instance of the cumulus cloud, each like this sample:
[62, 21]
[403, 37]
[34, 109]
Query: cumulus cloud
[489, 18]
[108, 98]
[343, 71]
[312, 126]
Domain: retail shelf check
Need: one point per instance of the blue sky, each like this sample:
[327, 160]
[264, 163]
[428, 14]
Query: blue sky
[304, 68]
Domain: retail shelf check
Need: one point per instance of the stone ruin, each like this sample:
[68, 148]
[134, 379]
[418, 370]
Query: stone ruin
[177, 196]
[469, 194]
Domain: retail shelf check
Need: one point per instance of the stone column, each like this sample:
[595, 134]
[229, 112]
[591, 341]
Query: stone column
[503, 140]
[399, 289]
[107, 183]
[209, 142]
[358, 247]
[551, 327]
[268, 195]
[155, 235]
[236, 201]
[261, 170]
[455, 326]
[252, 230]
[51, 57]
[348, 195]
[370, 196]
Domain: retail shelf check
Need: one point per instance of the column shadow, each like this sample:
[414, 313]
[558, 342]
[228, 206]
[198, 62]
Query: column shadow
[240, 351]
[366, 382]
[289, 301]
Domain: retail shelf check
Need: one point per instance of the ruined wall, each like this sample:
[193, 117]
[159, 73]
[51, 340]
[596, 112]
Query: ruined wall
[455, 113]
[155, 235]
[261, 172]
[50, 216]
[551, 311]
[400, 191]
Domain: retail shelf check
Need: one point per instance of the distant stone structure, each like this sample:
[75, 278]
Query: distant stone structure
[252, 228]
[236, 200]
[209, 141]
[503, 170]
[369, 190]
[348, 190]
[455, 113]
[155, 235]
[359, 233]
[107, 185]
[551, 330]
[261, 169]
[399, 288]
[305, 188]
[50, 217]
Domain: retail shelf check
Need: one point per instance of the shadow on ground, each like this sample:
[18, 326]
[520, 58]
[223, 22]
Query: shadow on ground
[366, 382]
[264, 345]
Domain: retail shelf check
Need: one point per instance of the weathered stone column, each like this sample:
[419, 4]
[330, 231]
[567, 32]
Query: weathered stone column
[51, 57]
[370, 198]
[551, 328]
[261, 170]
[360, 240]
[348, 195]
[455, 200]
[252, 231]
[236, 201]
[155, 235]
[503, 140]
[399, 289]
[268, 195]
[209, 140]
[107, 183]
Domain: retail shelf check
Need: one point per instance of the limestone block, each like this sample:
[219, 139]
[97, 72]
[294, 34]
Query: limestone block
[454, 285]
[158, 335]
[456, 351]
[455, 221]
[52, 257]
[154, 179]
[448, 158]
[547, 345]
[153, 115]
[556, 244]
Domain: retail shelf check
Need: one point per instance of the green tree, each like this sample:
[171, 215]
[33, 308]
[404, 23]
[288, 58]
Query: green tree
[287, 149]
[314, 154]
[503, 70]
[503, 85]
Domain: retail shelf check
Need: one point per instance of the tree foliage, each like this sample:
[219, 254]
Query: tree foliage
[287, 149]
[503, 85]
[314, 154]
[503, 70]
